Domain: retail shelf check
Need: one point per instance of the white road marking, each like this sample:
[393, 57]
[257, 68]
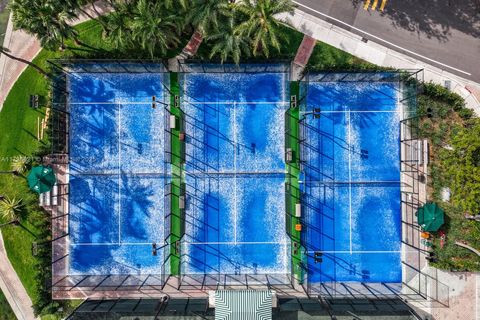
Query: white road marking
[380, 39]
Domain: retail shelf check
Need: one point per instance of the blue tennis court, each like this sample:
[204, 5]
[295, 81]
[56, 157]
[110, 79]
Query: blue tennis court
[117, 172]
[235, 174]
[351, 182]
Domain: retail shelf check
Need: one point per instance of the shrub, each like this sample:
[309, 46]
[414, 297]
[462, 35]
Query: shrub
[465, 113]
[441, 93]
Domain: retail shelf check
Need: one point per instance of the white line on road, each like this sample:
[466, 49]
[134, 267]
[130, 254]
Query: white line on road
[380, 39]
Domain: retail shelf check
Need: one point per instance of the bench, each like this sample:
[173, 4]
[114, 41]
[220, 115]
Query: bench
[34, 98]
[49, 198]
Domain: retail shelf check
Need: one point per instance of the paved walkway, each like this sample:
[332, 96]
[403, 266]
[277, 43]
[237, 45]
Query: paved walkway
[13, 288]
[380, 55]
[305, 51]
[193, 44]
[25, 46]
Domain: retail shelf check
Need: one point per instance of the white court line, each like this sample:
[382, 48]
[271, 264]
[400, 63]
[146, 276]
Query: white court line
[236, 243]
[116, 244]
[235, 174]
[149, 103]
[350, 176]
[380, 39]
[359, 111]
[237, 102]
[357, 252]
[119, 179]
[350, 182]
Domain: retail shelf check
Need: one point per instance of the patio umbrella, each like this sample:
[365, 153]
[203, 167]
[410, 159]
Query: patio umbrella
[41, 179]
[430, 217]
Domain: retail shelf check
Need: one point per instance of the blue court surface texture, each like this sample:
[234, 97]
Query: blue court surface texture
[234, 176]
[117, 173]
[235, 173]
[351, 182]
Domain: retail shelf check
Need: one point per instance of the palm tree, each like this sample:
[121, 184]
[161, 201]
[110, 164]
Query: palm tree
[169, 4]
[80, 4]
[20, 163]
[261, 24]
[117, 31]
[6, 51]
[45, 19]
[228, 42]
[205, 14]
[9, 210]
[154, 27]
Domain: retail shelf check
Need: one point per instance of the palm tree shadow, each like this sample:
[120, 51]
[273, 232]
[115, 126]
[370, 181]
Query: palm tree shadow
[27, 230]
[136, 197]
[85, 86]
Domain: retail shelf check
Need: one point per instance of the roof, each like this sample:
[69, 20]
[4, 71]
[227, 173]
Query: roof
[243, 305]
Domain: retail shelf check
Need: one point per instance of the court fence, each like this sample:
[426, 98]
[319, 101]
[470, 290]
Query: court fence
[63, 284]
[200, 66]
[414, 280]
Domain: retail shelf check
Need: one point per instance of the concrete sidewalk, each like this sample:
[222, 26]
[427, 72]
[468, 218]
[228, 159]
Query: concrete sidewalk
[380, 55]
[25, 46]
[13, 288]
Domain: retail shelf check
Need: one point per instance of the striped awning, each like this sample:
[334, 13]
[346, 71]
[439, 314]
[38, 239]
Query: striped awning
[243, 305]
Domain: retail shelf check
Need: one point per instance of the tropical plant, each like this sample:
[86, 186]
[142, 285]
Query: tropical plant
[10, 209]
[461, 166]
[205, 15]
[79, 5]
[45, 19]
[154, 27]
[261, 24]
[118, 31]
[228, 43]
[6, 52]
[20, 163]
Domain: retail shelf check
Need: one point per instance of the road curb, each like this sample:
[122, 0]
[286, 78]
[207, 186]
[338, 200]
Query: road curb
[378, 54]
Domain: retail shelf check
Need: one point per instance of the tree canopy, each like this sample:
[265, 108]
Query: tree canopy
[232, 29]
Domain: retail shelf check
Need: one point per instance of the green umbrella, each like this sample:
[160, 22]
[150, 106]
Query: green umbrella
[41, 179]
[430, 217]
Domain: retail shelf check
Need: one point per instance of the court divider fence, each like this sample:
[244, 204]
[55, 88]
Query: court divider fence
[63, 285]
[414, 280]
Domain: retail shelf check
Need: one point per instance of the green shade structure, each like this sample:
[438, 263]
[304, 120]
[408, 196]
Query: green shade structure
[41, 179]
[430, 217]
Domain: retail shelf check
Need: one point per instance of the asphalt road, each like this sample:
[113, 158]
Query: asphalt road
[445, 31]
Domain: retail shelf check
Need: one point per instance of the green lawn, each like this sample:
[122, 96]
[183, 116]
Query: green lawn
[6, 312]
[327, 57]
[19, 124]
